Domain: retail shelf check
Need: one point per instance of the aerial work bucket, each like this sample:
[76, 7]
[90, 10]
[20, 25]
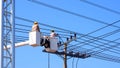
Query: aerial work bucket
[53, 44]
[34, 38]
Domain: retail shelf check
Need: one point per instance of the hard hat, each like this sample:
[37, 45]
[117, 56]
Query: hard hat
[35, 22]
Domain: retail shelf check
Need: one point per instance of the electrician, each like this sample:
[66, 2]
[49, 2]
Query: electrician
[53, 34]
[47, 42]
[35, 27]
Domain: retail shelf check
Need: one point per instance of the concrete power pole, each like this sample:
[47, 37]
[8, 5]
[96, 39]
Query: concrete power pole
[7, 33]
[65, 55]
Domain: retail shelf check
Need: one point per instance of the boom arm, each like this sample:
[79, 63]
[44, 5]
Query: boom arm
[17, 44]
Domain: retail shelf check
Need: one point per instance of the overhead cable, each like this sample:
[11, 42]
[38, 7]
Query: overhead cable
[70, 12]
[100, 6]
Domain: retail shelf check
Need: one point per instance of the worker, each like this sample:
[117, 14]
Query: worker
[42, 41]
[53, 34]
[53, 41]
[35, 27]
[47, 42]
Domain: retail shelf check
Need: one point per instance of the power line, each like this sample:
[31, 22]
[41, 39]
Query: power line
[98, 38]
[104, 56]
[48, 60]
[107, 57]
[99, 46]
[87, 37]
[77, 63]
[41, 28]
[73, 63]
[99, 6]
[73, 13]
[65, 11]
[91, 37]
[106, 35]
[107, 48]
[60, 33]
[68, 31]
[103, 27]
[44, 24]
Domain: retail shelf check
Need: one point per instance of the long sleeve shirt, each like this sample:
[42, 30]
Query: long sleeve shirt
[35, 28]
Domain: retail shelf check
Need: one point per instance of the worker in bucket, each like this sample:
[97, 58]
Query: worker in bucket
[35, 27]
[53, 34]
[47, 42]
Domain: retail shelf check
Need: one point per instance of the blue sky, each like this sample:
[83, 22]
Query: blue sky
[74, 20]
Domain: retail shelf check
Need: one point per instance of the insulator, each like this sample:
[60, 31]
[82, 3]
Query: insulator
[67, 39]
[75, 35]
[71, 37]
[71, 52]
[60, 42]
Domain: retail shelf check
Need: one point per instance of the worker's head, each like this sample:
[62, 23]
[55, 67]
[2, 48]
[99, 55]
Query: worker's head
[35, 22]
[52, 31]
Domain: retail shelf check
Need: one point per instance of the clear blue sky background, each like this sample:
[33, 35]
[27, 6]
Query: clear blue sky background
[33, 57]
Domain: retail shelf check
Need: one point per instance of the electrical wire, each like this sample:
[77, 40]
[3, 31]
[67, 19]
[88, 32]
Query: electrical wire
[96, 39]
[72, 13]
[77, 62]
[62, 29]
[98, 47]
[104, 56]
[73, 63]
[107, 48]
[40, 28]
[102, 28]
[63, 32]
[20, 18]
[99, 6]
[48, 60]
[90, 37]
[107, 57]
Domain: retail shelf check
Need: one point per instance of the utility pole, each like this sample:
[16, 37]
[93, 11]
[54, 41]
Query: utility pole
[65, 49]
[65, 55]
[7, 33]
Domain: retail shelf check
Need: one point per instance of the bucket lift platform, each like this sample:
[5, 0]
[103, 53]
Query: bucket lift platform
[35, 39]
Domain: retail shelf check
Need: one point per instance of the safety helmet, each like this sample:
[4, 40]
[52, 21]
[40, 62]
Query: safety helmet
[35, 22]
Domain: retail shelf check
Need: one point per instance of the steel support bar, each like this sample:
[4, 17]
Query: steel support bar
[13, 33]
[1, 34]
